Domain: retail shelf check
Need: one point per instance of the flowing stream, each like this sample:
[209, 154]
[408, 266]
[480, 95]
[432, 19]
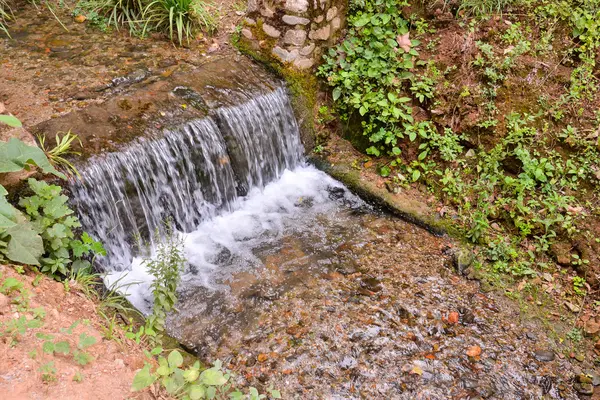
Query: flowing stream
[292, 278]
[232, 185]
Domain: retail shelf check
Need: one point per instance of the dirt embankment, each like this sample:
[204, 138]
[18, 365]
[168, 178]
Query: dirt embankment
[55, 345]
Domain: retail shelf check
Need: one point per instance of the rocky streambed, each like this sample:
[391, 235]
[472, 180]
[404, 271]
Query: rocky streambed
[375, 309]
[392, 319]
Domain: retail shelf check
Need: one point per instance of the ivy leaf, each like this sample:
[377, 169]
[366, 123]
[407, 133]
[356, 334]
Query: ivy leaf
[10, 121]
[404, 42]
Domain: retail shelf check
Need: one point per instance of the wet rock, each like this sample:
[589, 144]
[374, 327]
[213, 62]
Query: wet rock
[271, 31]
[294, 20]
[295, 37]
[544, 355]
[371, 284]
[584, 388]
[531, 336]
[348, 363]
[462, 260]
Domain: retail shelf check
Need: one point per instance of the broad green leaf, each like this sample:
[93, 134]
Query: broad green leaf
[237, 395]
[7, 212]
[212, 377]
[25, 245]
[10, 284]
[143, 379]
[62, 347]
[196, 392]
[10, 121]
[337, 92]
[276, 394]
[48, 347]
[416, 175]
[385, 171]
[16, 155]
[163, 370]
[175, 359]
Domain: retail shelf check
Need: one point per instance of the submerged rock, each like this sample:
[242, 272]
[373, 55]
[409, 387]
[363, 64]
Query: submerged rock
[544, 355]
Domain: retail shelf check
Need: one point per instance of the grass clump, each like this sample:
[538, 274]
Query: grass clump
[180, 20]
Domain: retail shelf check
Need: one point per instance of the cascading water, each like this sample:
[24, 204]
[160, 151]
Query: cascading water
[188, 176]
[230, 183]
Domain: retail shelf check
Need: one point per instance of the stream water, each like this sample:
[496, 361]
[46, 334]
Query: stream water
[296, 282]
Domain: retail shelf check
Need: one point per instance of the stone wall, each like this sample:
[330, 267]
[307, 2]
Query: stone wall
[294, 32]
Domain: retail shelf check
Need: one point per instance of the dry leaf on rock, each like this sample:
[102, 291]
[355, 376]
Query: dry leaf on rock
[404, 42]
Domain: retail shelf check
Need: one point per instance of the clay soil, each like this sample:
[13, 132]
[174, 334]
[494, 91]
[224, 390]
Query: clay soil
[68, 315]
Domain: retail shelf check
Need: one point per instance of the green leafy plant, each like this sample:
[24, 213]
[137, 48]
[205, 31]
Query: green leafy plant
[166, 268]
[54, 220]
[483, 8]
[6, 15]
[57, 154]
[193, 383]
[579, 285]
[172, 16]
[48, 371]
[369, 70]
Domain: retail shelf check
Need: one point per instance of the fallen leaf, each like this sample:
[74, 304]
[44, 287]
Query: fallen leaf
[453, 318]
[404, 42]
[262, 357]
[416, 371]
[474, 351]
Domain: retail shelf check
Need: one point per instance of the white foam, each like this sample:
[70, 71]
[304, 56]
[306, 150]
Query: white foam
[224, 244]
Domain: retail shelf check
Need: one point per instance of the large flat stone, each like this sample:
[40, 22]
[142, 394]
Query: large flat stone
[295, 37]
[271, 31]
[321, 33]
[294, 20]
[147, 108]
[296, 6]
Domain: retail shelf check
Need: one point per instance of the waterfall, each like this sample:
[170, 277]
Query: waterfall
[190, 175]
